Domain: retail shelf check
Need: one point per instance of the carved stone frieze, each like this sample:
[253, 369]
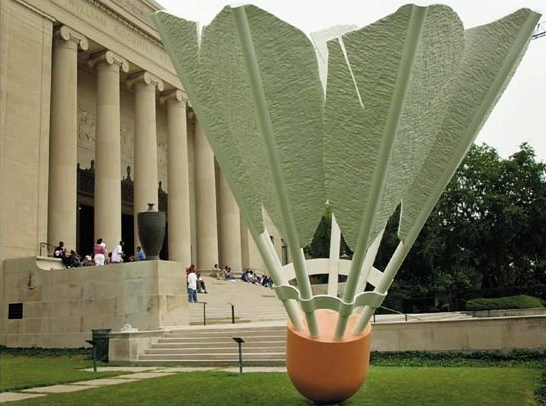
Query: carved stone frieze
[127, 142]
[86, 127]
[162, 157]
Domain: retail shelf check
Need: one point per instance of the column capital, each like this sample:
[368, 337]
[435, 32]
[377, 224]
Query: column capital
[175, 95]
[68, 34]
[110, 58]
[145, 78]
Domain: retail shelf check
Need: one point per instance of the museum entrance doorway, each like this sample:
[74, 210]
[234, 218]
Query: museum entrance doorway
[85, 232]
[85, 238]
[127, 233]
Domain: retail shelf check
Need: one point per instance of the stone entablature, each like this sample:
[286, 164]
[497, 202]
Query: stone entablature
[141, 10]
[112, 28]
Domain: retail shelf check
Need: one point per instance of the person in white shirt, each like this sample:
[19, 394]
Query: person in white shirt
[117, 254]
[192, 287]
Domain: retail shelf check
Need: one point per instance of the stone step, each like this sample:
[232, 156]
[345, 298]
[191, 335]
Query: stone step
[213, 363]
[217, 320]
[233, 355]
[221, 349]
[213, 344]
[226, 333]
[222, 339]
[212, 312]
[254, 317]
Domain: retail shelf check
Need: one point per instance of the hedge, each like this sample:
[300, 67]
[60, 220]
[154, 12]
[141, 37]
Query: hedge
[510, 302]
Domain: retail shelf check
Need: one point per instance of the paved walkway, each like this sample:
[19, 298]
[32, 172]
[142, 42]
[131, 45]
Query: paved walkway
[134, 374]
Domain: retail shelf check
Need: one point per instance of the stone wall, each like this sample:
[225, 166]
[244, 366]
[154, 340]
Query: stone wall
[25, 92]
[61, 306]
[499, 333]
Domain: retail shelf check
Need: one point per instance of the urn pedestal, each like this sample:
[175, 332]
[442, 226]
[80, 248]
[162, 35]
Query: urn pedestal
[325, 370]
[151, 231]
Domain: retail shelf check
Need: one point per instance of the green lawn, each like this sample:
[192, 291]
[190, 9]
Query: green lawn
[29, 372]
[510, 386]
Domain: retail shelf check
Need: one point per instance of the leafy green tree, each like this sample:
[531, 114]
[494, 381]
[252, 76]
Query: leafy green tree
[491, 221]
[488, 231]
[320, 245]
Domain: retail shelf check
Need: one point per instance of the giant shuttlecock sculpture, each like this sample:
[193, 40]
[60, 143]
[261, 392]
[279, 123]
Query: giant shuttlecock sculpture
[361, 120]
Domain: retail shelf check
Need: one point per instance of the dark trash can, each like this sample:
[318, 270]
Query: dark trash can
[102, 339]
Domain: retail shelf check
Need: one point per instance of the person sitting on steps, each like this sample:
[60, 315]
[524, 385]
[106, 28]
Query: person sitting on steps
[201, 288]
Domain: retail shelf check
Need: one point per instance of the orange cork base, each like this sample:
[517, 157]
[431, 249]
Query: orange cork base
[325, 370]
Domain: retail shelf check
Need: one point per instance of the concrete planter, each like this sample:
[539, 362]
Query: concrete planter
[325, 370]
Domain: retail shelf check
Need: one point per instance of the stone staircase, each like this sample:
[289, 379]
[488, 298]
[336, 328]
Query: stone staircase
[265, 345]
[252, 303]
[260, 320]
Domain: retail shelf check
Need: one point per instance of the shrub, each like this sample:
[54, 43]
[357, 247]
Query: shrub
[444, 307]
[44, 352]
[510, 302]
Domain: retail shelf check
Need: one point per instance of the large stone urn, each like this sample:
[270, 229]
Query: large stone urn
[151, 231]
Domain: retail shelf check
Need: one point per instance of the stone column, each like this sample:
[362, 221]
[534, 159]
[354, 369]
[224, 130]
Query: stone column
[145, 173]
[63, 142]
[230, 227]
[178, 182]
[245, 235]
[108, 148]
[191, 120]
[205, 201]
[254, 258]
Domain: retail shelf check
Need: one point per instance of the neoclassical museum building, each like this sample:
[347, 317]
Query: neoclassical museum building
[94, 126]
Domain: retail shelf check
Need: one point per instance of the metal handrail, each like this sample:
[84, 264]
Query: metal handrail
[397, 312]
[45, 244]
[204, 313]
[232, 312]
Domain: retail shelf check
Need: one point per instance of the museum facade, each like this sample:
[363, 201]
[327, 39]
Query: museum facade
[96, 125]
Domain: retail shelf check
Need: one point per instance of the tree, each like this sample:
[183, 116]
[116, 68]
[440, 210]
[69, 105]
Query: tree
[488, 230]
[319, 247]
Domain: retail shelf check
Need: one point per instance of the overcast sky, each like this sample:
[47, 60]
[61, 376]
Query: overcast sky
[520, 115]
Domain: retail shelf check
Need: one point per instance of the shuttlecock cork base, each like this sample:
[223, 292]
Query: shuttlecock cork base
[323, 369]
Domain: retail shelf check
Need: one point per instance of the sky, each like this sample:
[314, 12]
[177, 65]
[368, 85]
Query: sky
[519, 116]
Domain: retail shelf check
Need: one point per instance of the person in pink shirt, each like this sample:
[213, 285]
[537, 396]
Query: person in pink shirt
[99, 251]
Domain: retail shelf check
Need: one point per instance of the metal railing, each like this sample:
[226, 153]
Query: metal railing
[46, 245]
[406, 316]
[205, 312]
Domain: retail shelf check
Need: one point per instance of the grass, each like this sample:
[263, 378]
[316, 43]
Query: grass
[453, 386]
[29, 372]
